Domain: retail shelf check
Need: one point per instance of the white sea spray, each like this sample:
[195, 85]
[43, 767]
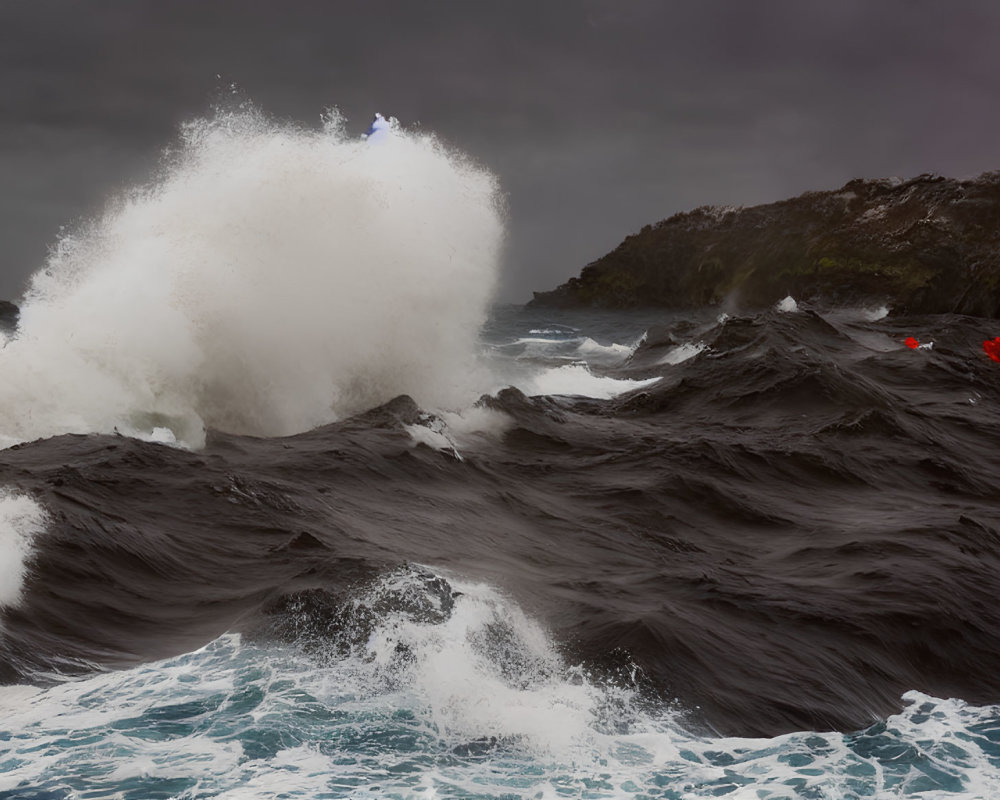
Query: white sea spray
[272, 279]
[21, 519]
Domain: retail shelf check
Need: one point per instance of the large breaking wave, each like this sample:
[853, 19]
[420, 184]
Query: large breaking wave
[272, 279]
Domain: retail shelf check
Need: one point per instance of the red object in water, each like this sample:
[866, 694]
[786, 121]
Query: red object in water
[992, 348]
[912, 343]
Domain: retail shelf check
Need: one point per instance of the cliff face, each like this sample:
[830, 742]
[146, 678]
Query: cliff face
[927, 245]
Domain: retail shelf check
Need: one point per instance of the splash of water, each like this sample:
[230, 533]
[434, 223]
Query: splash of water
[21, 519]
[271, 280]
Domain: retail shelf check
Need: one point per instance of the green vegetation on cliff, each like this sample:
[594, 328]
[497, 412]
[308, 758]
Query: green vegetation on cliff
[927, 245]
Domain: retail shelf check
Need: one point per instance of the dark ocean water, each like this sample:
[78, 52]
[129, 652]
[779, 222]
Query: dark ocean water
[689, 556]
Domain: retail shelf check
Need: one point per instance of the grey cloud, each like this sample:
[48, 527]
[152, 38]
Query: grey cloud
[598, 115]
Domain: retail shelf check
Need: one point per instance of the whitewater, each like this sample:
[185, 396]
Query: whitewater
[289, 508]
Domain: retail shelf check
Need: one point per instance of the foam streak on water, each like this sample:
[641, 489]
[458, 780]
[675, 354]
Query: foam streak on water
[479, 705]
[271, 280]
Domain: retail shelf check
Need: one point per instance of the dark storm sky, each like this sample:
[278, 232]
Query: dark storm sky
[599, 115]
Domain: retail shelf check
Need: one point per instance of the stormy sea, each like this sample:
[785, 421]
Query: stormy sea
[289, 508]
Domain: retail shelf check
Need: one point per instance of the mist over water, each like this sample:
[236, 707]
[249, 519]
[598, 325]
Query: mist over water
[271, 279]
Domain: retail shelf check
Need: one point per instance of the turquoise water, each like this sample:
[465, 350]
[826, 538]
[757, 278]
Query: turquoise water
[478, 706]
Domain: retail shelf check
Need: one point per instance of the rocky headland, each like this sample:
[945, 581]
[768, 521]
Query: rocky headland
[9, 314]
[926, 245]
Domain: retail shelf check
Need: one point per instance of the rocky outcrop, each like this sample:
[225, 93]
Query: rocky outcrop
[926, 245]
[9, 314]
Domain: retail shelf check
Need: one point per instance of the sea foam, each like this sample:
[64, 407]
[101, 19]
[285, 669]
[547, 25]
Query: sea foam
[272, 279]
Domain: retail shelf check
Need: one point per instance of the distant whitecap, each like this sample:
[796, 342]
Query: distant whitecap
[577, 379]
[788, 305]
[683, 352]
